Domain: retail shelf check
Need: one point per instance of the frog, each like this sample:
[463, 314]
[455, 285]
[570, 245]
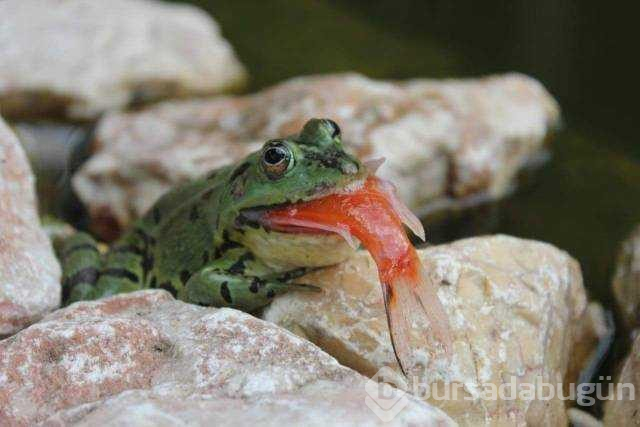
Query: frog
[203, 242]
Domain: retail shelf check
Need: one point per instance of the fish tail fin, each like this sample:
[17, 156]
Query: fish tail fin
[433, 309]
[405, 299]
[397, 304]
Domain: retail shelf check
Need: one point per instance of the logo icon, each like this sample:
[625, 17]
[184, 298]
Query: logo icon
[383, 399]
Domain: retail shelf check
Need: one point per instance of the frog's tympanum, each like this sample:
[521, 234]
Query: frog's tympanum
[238, 236]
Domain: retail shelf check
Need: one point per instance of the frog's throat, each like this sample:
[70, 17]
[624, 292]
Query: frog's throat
[286, 251]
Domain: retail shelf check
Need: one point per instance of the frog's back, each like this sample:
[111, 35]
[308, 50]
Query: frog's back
[171, 203]
[173, 239]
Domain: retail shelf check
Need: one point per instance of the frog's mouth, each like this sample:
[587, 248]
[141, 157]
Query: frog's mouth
[260, 217]
[346, 213]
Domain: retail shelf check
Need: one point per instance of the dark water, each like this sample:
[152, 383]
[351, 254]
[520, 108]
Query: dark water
[587, 198]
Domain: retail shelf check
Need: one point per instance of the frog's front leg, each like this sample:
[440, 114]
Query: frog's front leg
[244, 284]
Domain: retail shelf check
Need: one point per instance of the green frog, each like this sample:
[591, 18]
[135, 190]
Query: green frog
[202, 241]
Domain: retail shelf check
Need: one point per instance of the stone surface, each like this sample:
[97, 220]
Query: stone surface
[594, 334]
[624, 408]
[29, 271]
[326, 404]
[626, 281]
[579, 418]
[515, 307]
[78, 58]
[145, 358]
[447, 141]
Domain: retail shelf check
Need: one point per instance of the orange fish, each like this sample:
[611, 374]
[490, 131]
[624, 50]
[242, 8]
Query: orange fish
[374, 215]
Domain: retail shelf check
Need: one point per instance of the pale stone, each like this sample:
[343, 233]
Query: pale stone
[626, 281]
[145, 358]
[79, 58]
[29, 271]
[623, 407]
[322, 404]
[594, 333]
[580, 418]
[446, 141]
[516, 308]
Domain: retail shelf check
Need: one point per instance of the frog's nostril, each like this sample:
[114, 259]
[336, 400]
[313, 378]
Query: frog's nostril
[335, 129]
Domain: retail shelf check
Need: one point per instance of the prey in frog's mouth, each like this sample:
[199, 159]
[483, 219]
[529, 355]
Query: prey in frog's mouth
[344, 212]
[286, 246]
[263, 216]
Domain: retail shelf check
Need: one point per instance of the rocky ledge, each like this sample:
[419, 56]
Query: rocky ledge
[517, 308]
[29, 271]
[78, 58]
[147, 358]
[622, 407]
[626, 281]
[446, 142]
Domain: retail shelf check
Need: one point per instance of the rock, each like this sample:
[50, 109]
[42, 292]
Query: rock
[146, 358]
[623, 407]
[78, 58]
[626, 281]
[580, 418]
[515, 307]
[29, 271]
[594, 333]
[316, 405]
[449, 141]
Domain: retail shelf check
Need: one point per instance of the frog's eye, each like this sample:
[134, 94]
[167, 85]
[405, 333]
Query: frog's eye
[276, 159]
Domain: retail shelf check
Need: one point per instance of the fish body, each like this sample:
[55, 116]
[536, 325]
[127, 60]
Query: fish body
[375, 217]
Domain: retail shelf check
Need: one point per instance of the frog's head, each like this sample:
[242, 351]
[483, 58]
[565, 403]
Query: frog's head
[289, 170]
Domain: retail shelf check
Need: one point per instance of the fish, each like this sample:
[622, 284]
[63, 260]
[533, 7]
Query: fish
[372, 214]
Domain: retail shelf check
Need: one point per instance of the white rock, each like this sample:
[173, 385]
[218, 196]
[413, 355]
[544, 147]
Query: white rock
[622, 408]
[29, 271]
[82, 57]
[579, 418]
[516, 308]
[146, 359]
[445, 141]
[325, 404]
[626, 281]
